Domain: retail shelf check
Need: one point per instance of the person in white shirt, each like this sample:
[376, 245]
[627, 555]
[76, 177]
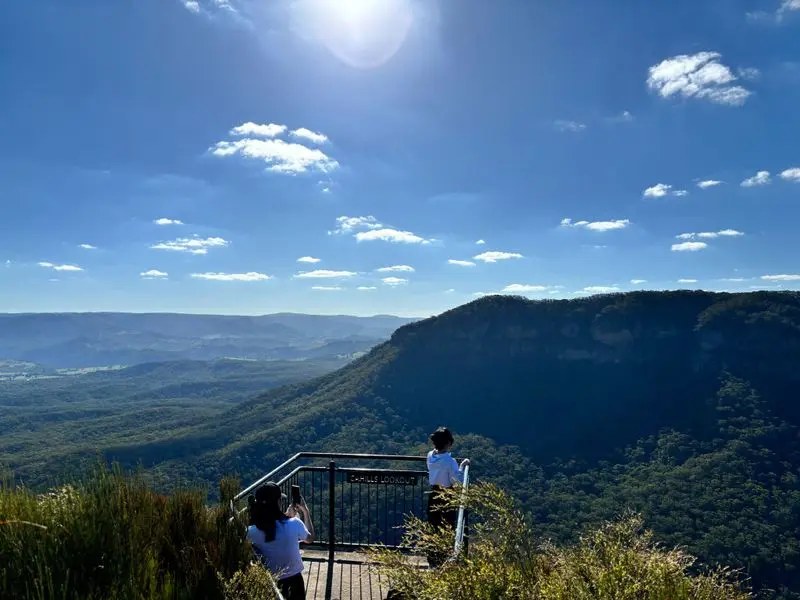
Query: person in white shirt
[443, 472]
[275, 537]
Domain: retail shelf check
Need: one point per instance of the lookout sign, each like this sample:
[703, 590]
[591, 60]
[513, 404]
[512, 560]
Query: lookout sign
[382, 477]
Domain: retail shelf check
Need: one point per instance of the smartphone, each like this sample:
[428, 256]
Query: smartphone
[296, 497]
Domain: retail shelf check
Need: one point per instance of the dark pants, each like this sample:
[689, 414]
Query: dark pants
[293, 588]
[440, 518]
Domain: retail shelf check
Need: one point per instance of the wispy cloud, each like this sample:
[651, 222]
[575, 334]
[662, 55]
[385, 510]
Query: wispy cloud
[192, 245]
[700, 76]
[707, 183]
[660, 190]
[269, 130]
[345, 225]
[710, 234]
[324, 274]
[55, 267]
[308, 259]
[153, 274]
[687, 280]
[600, 289]
[760, 178]
[777, 17]
[312, 136]
[394, 281]
[596, 225]
[396, 269]
[327, 288]
[623, 117]
[689, 246]
[638, 281]
[680, 192]
[366, 288]
[250, 276]
[792, 174]
[166, 221]
[460, 263]
[569, 126]
[394, 236]
[524, 288]
[494, 256]
[782, 277]
[87, 246]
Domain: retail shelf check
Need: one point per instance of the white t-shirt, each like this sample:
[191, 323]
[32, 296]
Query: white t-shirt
[443, 469]
[282, 555]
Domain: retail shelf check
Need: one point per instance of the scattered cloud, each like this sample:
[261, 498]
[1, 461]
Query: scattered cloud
[87, 246]
[480, 242]
[760, 178]
[689, 246]
[250, 276]
[366, 288]
[269, 130]
[460, 263]
[624, 117]
[659, 190]
[571, 126]
[192, 245]
[49, 265]
[396, 269]
[312, 136]
[308, 259]
[279, 155]
[749, 73]
[596, 225]
[733, 279]
[710, 234]
[327, 288]
[638, 281]
[153, 274]
[394, 281]
[192, 6]
[523, 288]
[707, 183]
[394, 236]
[792, 174]
[680, 193]
[687, 280]
[783, 277]
[700, 76]
[600, 289]
[166, 221]
[494, 256]
[324, 274]
[450, 290]
[346, 225]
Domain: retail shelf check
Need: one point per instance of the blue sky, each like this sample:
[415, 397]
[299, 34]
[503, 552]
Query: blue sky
[167, 155]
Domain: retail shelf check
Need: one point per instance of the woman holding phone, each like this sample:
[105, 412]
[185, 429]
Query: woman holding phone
[275, 536]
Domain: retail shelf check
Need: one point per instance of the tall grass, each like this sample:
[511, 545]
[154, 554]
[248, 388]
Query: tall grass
[114, 537]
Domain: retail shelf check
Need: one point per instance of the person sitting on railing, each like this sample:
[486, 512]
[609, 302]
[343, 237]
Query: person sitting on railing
[443, 472]
[275, 536]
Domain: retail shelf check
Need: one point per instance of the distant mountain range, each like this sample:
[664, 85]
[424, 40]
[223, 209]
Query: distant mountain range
[75, 340]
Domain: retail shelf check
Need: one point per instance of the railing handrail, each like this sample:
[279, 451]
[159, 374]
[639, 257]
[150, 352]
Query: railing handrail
[329, 455]
[459, 541]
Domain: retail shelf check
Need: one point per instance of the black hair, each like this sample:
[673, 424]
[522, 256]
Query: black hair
[441, 438]
[265, 511]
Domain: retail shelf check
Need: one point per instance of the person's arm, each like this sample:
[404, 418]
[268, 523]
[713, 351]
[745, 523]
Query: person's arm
[305, 516]
[457, 472]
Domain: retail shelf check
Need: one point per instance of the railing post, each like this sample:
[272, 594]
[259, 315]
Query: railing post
[331, 512]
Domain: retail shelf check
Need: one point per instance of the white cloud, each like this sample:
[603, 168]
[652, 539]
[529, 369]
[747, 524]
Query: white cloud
[269, 130]
[760, 178]
[153, 274]
[733, 279]
[792, 174]
[49, 265]
[450, 290]
[394, 281]
[396, 269]
[700, 75]
[192, 245]
[250, 276]
[600, 289]
[480, 242]
[308, 259]
[327, 288]
[749, 73]
[782, 277]
[523, 288]
[87, 246]
[279, 155]
[707, 183]
[687, 280]
[657, 191]
[460, 263]
[494, 256]
[787, 6]
[596, 225]
[571, 126]
[689, 246]
[390, 235]
[346, 225]
[191, 6]
[324, 274]
[638, 281]
[166, 221]
[366, 288]
[312, 136]
[624, 117]
[710, 235]
[680, 193]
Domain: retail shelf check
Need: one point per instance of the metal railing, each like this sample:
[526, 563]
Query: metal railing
[461, 523]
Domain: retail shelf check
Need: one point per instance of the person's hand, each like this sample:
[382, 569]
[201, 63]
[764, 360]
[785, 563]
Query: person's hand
[291, 511]
[464, 463]
[301, 509]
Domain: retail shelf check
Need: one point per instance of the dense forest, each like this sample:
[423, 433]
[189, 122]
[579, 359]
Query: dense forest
[681, 406]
